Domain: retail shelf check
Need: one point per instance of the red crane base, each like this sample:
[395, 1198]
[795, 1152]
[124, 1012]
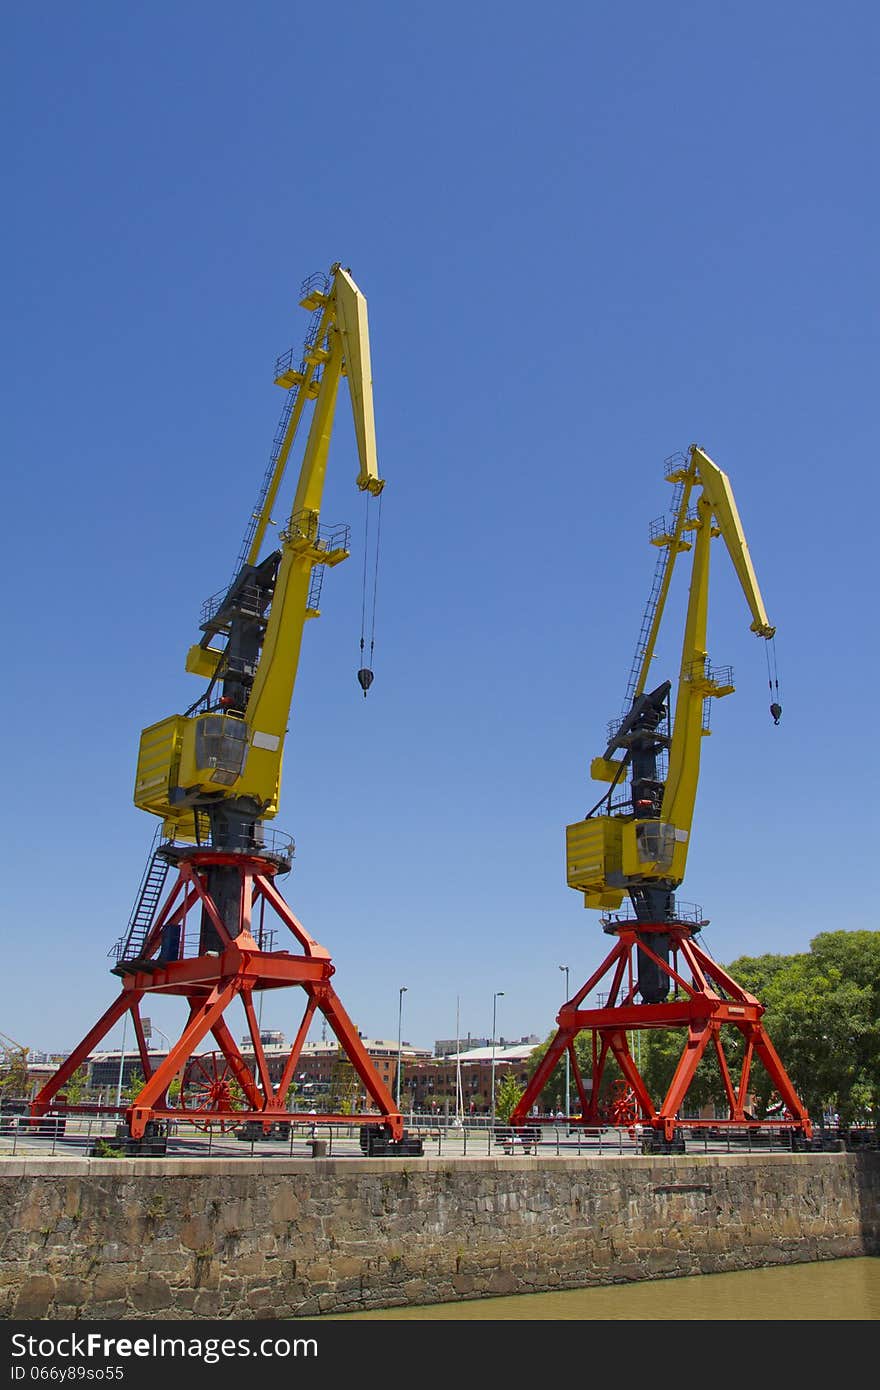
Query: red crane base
[703, 1005]
[210, 981]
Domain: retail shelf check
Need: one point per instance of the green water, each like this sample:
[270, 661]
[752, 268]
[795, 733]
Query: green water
[829, 1290]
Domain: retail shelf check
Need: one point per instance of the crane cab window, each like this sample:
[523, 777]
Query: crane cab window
[221, 747]
[655, 843]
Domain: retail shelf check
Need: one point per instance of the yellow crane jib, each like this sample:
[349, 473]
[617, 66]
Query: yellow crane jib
[635, 840]
[216, 768]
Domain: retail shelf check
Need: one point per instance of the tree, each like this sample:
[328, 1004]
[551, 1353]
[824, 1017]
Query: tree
[344, 1086]
[552, 1097]
[77, 1085]
[823, 1014]
[507, 1096]
[14, 1077]
[133, 1086]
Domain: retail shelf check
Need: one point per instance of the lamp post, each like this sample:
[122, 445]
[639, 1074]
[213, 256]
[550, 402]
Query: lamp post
[495, 997]
[564, 969]
[121, 1062]
[401, 993]
[154, 1029]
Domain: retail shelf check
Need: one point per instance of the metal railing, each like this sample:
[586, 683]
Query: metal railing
[304, 526]
[93, 1136]
[625, 915]
[251, 599]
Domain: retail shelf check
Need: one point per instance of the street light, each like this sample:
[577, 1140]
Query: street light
[495, 998]
[402, 992]
[564, 969]
[148, 1033]
[121, 1062]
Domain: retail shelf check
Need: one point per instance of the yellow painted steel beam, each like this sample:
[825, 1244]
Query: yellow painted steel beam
[351, 321]
[304, 393]
[676, 544]
[170, 780]
[680, 792]
[607, 853]
[716, 487]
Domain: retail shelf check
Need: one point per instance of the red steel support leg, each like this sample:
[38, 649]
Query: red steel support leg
[619, 1045]
[746, 1068]
[545, 1070]
[331, 1006]
[209, 982]
[237, 1065]
[295, 1051]
[778, 1075]
[257, 1045]
[736, 1100]
[127, 999]
[698, 1036]
[587, 1102]
[703, 1005]
[200, 1023]
[143, 1051]
[310, 946]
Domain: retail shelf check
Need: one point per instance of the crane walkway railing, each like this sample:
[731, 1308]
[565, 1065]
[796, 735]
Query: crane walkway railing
[250, 599]
[317, 282]
[254, 518]
[660, 532]
[164, 852]
[691, 914]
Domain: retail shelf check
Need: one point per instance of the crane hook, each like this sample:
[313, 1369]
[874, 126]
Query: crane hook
[773, 681]
[365, 679]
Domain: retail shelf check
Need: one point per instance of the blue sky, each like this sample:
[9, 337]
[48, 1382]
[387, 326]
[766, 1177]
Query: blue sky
[589, 236]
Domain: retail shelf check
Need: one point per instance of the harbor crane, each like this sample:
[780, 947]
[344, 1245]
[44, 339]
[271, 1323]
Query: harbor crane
[627, 856]
[212, 777]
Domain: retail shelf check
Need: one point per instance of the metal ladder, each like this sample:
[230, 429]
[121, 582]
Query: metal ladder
[651, 606]
[281, 431]
[277, 442]
[147, 900]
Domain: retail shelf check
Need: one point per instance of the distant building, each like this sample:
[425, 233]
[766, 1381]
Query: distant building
[447, 1047]
[432, 1085]
[320, 1066]
[104, 1067]
[444, 1046]
[325, 1080]
[323, 1067]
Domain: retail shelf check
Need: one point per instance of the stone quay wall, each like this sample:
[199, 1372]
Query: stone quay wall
[278, 1238]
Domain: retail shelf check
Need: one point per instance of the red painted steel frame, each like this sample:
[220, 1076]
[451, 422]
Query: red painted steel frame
[703, 1005]
[209, 982]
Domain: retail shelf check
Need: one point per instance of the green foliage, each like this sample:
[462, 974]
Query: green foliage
[133, 1086]
[547, 1100]
[78, 1085]
[507, 1097]
[345, 1087]
[552, 1097]
[103, 1149]
[14, 1077]
[822, 1014]
[237, 1099]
